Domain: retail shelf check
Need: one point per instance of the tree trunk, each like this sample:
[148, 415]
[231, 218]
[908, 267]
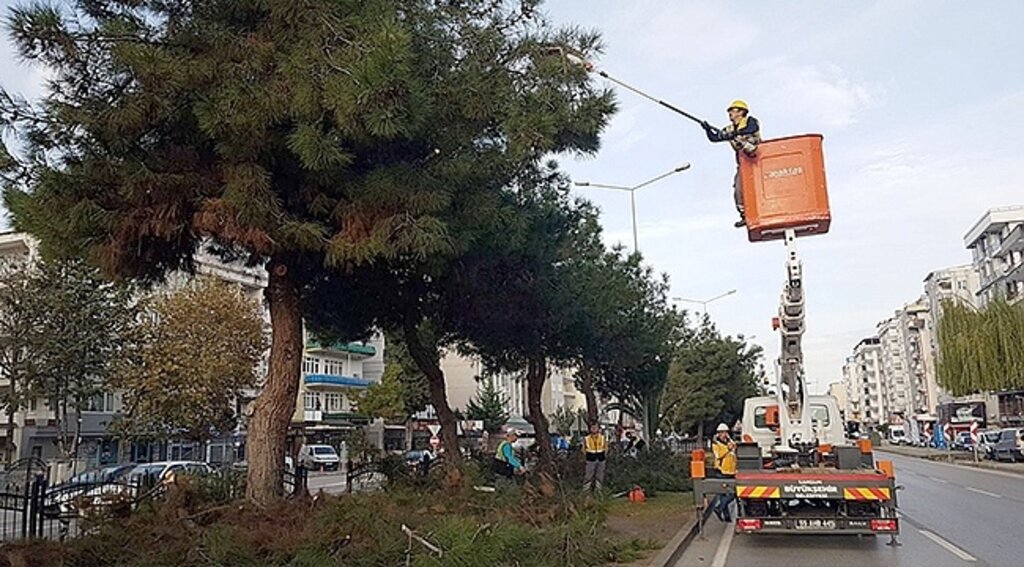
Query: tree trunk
[700, 433]
[427, 363]
[536, 374]
[586, 383]
[273, 409]
[12, 447]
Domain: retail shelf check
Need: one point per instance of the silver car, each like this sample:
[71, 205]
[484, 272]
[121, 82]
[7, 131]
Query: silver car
[1010, 446]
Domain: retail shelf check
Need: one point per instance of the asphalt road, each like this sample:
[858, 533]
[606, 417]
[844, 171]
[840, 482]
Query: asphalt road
[952, 516]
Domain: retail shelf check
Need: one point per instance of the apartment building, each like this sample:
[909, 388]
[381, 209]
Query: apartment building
[996, 243]
[863, 379]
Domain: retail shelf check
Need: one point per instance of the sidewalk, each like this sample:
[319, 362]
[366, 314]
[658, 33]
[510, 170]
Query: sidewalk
[965, 458]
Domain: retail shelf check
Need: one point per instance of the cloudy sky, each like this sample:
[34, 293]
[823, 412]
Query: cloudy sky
[920, 103]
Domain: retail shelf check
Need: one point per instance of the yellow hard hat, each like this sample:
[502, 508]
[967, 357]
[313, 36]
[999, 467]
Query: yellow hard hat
[740, 104]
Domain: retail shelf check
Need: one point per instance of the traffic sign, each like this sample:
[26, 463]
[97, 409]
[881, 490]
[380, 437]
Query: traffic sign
[435, 442]
[974, 432]
[434, 428]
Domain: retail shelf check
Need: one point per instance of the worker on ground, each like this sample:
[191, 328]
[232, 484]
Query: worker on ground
[595, 448]
[744, 134]
[724, 450]
[506, 463]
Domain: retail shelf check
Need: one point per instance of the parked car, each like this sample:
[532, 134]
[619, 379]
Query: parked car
[987, 443]
[166, 471]
[319, 457]
[963, 441]
[105, 474]
[1010, 446]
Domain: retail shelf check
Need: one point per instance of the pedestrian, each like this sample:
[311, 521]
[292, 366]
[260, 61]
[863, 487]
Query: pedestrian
[744, 134]
[506, 462]
[595, 448]
[724, 450]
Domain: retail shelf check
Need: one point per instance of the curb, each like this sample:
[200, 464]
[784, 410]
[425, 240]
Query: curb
[679, 542]
[962, 463]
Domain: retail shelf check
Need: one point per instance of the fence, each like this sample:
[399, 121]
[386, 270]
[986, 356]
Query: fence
[31, 508]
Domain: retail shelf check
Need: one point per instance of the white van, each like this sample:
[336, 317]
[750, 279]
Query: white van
[319, 458]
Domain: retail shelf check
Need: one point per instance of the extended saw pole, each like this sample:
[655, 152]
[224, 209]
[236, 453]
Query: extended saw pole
[578, 60]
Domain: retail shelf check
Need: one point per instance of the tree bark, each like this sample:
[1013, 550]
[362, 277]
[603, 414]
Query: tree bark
[536, 374]
[273, 409]
[586, 383]
[427, 363]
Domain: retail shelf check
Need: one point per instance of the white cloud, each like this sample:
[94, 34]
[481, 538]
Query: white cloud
[686, 35]
[821, 94]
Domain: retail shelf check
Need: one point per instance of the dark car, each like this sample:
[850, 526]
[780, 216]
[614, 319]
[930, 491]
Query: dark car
[1010, 446]
[963, 441]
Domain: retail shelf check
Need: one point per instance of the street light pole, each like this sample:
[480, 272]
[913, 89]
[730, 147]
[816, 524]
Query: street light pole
[632, 210]
[704, 302]
[632, 195]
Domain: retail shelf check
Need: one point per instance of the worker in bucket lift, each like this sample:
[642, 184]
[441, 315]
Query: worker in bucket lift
[724, 449]
[744, 134]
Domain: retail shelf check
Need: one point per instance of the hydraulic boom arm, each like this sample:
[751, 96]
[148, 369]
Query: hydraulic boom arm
[792, 389]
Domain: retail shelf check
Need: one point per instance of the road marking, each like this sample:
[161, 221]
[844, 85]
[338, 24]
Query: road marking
[722, 553]
[949, 546]
[912, 458]
[985, 492]
[939, 480]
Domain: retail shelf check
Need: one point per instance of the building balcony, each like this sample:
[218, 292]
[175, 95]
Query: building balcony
[1014, 242]
[350, 348]
[330, 380]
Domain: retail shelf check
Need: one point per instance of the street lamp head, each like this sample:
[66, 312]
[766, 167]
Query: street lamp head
[683, 167]
[582, 184]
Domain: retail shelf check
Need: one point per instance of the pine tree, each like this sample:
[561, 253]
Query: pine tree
[309, 136]
[488, 405]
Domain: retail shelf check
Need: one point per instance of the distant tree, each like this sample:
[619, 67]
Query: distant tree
[565, 420]
[708, 379]
[983, 349]
[81, 331]
[197, 349]
[19, 318]
[488, 405]
[402, 390]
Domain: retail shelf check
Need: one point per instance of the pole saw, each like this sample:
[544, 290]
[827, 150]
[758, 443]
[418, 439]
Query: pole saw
[577, 59]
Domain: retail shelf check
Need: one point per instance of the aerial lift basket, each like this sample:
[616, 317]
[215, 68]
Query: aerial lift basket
[784, 188]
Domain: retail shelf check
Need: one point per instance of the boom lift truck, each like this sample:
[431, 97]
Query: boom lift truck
[796, 471]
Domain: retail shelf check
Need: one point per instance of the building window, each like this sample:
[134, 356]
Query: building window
[311, 365]
[334, 367]
[311, 401]
[332, 402]
[101, 403]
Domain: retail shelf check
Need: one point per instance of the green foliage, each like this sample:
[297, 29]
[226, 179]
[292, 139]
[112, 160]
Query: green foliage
[981, 350]
[709, 377]
[566, 421]
[502, 529]
[315, 136]
[488, 405]
[18, 320]
[65, 333]
[196, 349]
[402, 390]
[656, 470]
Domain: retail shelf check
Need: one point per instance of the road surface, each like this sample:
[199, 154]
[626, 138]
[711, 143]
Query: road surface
[951, 516]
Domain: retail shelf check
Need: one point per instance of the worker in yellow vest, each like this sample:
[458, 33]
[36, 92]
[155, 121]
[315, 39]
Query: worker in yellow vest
[724, 449]
[744, 134]
[595, 448]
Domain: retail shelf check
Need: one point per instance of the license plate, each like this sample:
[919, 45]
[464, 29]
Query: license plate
[815, 524]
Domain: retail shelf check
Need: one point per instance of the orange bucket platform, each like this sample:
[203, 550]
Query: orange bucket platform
[784, 188]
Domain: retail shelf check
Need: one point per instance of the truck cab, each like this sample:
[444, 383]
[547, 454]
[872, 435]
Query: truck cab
[762, 420]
